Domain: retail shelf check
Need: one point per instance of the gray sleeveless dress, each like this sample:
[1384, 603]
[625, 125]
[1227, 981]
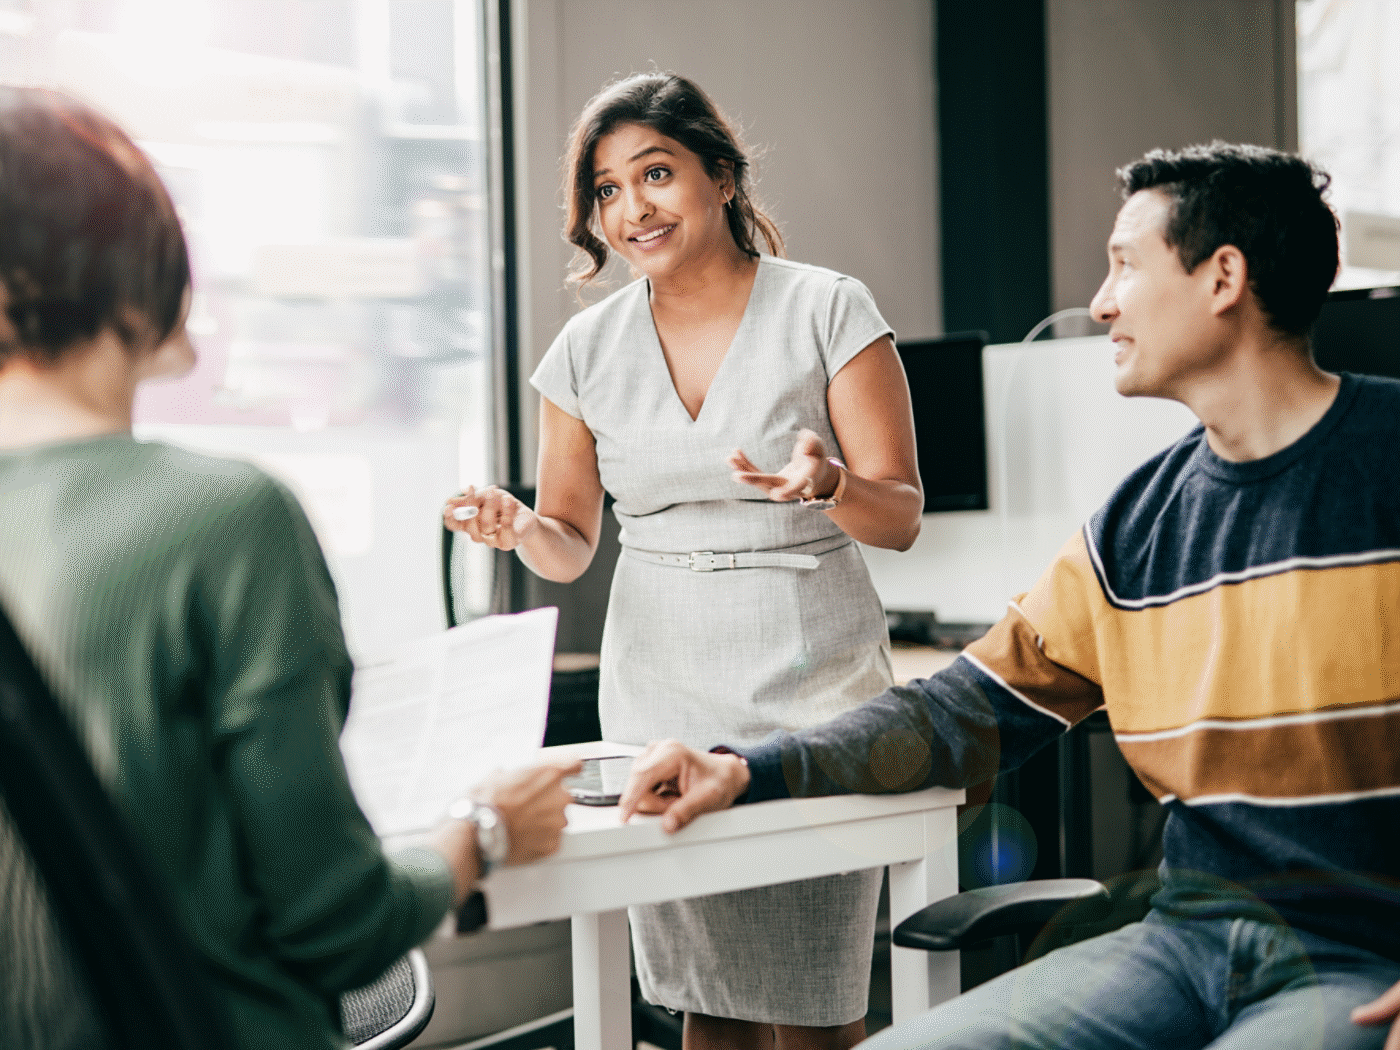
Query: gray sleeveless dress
[731, 655]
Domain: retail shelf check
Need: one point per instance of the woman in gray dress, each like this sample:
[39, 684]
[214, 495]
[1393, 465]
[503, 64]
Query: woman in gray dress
[751, 419]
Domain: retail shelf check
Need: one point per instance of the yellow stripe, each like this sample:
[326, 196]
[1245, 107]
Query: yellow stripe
[1297, 642]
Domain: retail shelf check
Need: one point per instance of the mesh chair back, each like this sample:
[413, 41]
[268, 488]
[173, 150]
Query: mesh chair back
[392, 1010]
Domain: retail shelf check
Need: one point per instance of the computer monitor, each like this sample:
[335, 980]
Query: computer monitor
[1359, 331]
[945, 384]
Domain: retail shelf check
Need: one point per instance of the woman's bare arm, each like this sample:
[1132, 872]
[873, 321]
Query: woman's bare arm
[868, 404]
[871, 415]
[556, 538]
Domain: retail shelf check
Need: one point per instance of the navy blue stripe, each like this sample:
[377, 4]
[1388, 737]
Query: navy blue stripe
[1186, 516]
[1333, 869]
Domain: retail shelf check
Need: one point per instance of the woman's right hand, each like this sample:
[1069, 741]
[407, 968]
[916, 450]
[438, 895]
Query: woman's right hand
[500, 520]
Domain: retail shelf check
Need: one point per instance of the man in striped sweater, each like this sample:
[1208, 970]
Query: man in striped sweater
[1235, 606]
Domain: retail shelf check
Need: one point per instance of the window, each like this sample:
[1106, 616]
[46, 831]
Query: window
[328, 158]
[1349, 123]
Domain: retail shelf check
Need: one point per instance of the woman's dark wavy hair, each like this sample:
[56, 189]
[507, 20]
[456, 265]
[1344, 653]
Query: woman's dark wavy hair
[89, 238]
[674, 107]
[1266, 203]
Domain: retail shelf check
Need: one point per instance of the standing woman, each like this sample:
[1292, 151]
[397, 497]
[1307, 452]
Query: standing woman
[741, 603]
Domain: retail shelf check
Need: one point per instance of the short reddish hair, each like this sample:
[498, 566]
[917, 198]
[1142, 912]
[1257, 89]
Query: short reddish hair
[90, 237]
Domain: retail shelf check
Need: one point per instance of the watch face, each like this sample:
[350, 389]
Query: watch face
[461, 809]
[490, 835]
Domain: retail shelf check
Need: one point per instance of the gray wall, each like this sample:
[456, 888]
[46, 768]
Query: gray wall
[1129, 75]
[1126, 76]
[838, 94]
[841, 94]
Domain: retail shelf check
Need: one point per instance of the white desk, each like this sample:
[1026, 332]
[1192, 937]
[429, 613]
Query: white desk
[604, 866]
[919, 661]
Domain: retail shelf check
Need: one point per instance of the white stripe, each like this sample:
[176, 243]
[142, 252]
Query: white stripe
[1014, 605]
[1272, 569]
[1270, 722]
[1003, 683]
[1284, 803]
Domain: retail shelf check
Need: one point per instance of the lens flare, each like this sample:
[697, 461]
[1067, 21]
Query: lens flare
[995, 846]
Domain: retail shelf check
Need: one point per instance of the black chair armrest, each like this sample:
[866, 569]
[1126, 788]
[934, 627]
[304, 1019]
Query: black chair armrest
[966, 918]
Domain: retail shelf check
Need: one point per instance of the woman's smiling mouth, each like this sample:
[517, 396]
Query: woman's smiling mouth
[652, 238]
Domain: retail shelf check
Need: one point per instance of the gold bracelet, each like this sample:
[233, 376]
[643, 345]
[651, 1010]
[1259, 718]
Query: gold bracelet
[840, 490]
[828, 502]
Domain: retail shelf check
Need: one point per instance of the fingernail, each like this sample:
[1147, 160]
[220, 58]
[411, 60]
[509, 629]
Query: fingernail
[464, 513]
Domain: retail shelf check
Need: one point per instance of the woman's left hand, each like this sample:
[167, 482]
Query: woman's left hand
[808, 473]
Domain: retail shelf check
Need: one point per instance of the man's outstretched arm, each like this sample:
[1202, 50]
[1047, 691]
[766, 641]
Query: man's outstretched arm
[998, 703]
[939, 731]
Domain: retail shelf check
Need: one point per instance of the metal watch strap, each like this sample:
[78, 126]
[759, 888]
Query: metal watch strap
[492, 839]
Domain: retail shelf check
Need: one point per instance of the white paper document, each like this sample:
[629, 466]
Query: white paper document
[431, 723]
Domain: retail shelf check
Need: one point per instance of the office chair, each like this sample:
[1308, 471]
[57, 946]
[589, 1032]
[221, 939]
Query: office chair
[145, 980]
[390, 1012]
[973, 916]
[1040, 915]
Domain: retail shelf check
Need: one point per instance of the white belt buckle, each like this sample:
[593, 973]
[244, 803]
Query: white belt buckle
[709, 561]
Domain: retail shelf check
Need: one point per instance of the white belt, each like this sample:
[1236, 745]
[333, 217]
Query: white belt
[709, 561]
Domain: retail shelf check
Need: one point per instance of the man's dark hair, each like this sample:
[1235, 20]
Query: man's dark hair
[90, 237]
[1266, 203]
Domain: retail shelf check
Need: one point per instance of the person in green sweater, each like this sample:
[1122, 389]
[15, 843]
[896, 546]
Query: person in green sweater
[182, 611]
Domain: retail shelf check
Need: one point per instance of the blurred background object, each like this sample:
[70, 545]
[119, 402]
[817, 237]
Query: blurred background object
[330, 162]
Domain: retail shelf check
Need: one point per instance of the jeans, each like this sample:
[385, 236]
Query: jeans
[1165, 983]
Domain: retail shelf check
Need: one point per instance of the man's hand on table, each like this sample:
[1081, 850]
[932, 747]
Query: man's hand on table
[530, 804]
[670, 778]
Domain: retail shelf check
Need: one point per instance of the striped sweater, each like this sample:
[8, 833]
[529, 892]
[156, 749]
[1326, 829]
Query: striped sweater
[1240, 622]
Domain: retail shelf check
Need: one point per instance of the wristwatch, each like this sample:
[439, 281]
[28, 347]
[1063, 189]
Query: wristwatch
[492, 840]
[834, 500]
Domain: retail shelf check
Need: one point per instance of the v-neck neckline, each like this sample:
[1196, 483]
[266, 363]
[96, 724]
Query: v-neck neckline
[660, 353]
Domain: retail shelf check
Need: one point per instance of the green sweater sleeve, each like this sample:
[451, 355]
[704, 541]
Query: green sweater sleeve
[336, 910]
